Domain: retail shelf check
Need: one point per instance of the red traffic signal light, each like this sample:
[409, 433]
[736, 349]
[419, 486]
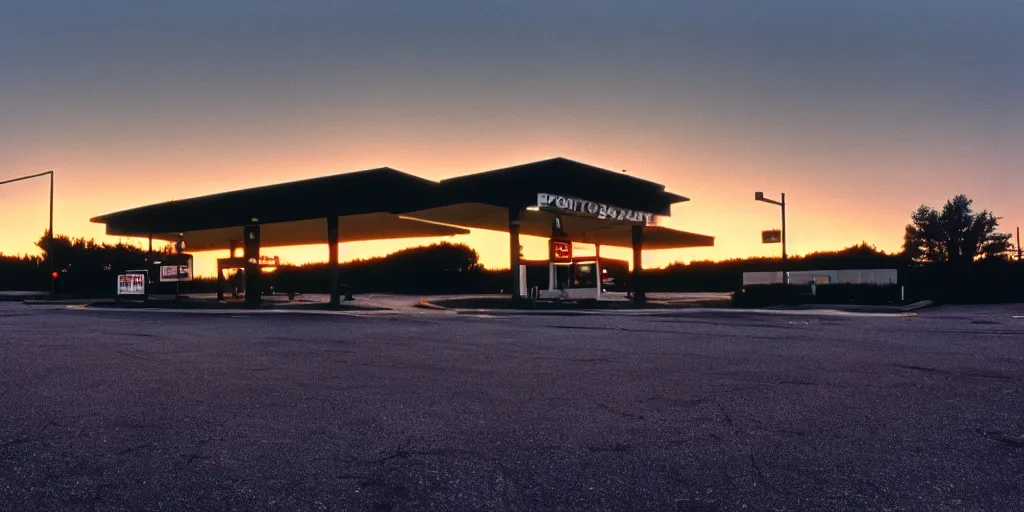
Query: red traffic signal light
[54, 276]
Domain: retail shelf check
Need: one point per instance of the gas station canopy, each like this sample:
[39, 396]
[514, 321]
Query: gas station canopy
[577, 229]
[482, 201]
[551, 198]
[351, 228]
[386, 203]
[292, 213]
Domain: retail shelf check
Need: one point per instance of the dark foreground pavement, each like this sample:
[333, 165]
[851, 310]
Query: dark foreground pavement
[115, 410]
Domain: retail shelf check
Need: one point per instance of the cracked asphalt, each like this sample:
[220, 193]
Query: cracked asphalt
[109, 410]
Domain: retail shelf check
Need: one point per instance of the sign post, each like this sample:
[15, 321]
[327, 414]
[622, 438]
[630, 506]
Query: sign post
[759, 196]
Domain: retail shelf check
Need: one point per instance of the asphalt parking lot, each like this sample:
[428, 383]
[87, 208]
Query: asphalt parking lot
[128, 410]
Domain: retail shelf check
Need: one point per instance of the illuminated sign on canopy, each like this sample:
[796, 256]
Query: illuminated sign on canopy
[593, 209]
[561, 250]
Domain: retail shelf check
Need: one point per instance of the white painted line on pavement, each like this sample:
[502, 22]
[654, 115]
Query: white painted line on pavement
[236, 312]
[487, 313]
[684, 311]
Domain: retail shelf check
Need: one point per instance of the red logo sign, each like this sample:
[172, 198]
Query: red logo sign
[561, 251]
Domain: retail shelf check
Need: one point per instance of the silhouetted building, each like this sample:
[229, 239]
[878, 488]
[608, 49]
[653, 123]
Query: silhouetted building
[558, 198]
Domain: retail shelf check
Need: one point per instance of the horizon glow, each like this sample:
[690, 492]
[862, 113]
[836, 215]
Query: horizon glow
[859, 112]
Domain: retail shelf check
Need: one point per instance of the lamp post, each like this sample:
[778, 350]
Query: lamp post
[759, 196]
[49, 238]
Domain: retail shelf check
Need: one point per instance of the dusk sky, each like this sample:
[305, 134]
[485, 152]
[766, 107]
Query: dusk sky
[859, 111]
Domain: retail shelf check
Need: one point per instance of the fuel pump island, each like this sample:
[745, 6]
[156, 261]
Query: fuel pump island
[577, 278]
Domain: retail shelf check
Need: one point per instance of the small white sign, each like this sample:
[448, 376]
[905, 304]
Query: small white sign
[131, 284]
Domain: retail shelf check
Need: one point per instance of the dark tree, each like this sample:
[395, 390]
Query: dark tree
[956, 235]
[85, 267]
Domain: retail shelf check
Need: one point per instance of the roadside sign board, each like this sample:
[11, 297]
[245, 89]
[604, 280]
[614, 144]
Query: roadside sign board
[773, 236]
[131, 284]
[174, 273]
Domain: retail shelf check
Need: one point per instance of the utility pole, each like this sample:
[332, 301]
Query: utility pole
[785, 267]
[759, 196]
[1019, 250]
[49, 244]
[49, 237]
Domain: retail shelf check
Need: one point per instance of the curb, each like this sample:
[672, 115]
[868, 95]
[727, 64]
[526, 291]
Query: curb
[47, 302]
[679, 312]
[854, 308]
[921, 304]
[425, 304]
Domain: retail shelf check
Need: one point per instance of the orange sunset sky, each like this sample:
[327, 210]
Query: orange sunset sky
[858, 112]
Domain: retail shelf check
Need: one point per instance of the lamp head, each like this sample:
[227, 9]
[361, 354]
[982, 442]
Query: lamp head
[759, 196]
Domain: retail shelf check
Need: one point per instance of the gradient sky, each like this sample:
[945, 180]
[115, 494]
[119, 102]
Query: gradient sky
[859, 111]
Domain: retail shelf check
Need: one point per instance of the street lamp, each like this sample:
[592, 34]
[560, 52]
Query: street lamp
[49, 238]
[759, 196]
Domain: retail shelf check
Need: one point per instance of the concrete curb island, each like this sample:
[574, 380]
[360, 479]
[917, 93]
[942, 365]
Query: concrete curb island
[660, 307]
[490, 305]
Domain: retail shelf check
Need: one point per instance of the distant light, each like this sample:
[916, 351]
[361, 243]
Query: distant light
[533, 208]
[54, 275]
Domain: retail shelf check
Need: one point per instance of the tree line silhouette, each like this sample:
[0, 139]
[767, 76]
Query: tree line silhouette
[952, 255]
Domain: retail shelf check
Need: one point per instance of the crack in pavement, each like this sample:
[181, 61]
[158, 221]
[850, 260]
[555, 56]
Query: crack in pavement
[924, 369]
[620, 413]
[1006, 440]
[615, 448]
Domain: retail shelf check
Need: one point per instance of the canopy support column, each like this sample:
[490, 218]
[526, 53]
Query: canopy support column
[253, 272]
[220, 281]
[513, 242]
[332, 259]
[639, 294]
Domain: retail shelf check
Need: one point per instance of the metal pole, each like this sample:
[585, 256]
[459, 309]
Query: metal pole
[49, 238]
[785, 276]
[49, 243]
[1019, 249]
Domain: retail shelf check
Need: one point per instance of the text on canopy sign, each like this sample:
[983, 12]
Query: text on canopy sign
[593, 209]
